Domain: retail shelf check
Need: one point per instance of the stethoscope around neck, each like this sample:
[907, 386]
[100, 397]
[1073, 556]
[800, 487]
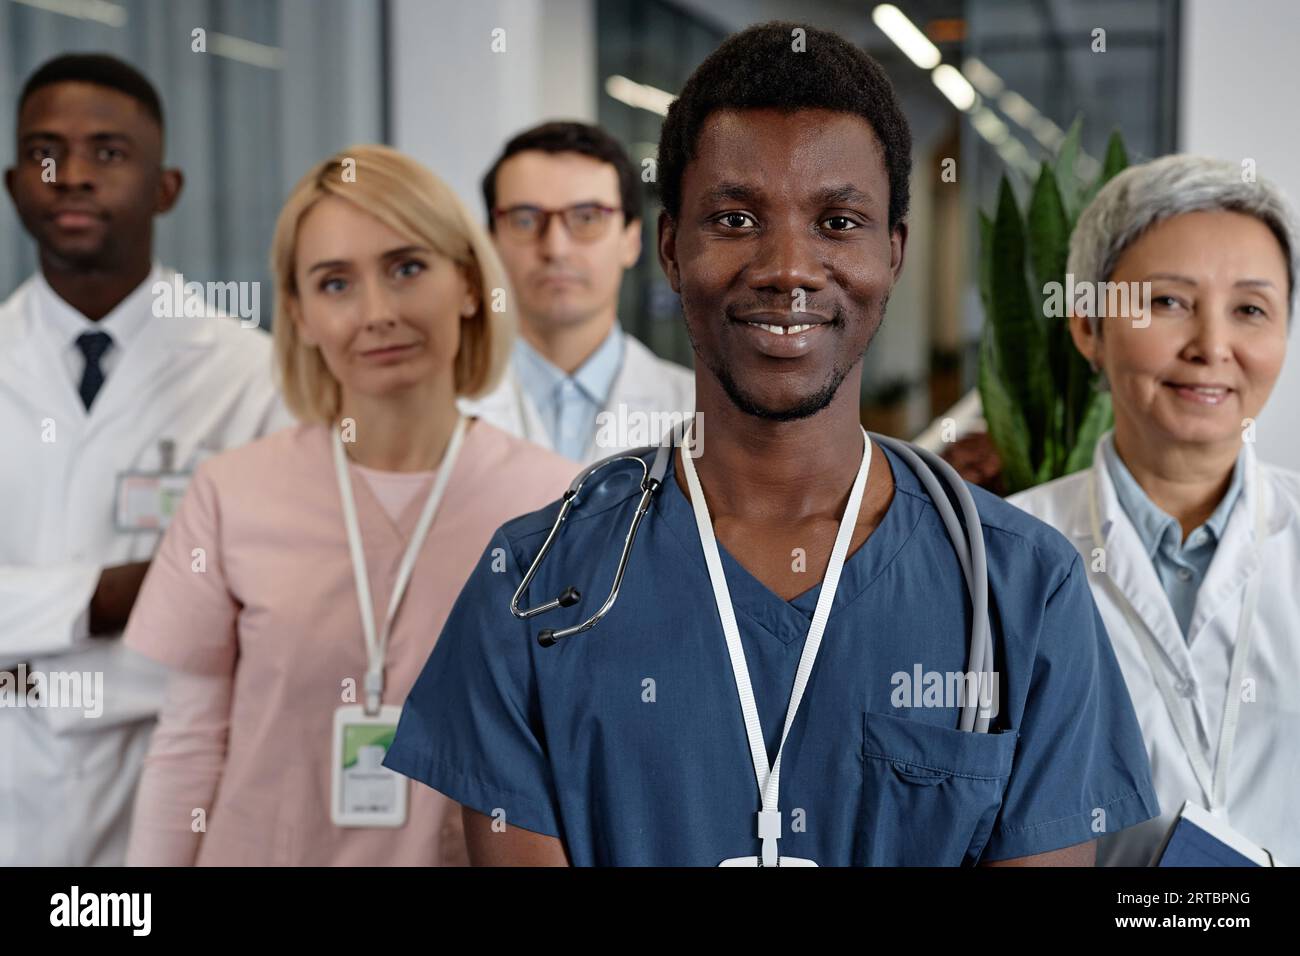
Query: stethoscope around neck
[652, 478]
[967, 542]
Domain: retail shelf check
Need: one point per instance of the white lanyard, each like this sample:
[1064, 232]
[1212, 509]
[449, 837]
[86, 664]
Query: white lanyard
[377, 645]
[769, 779]
[1213, 782]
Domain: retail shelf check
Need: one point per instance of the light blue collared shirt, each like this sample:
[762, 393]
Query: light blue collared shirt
[1180, 566]
[569, 404]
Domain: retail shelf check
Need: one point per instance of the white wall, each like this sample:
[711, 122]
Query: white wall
[1238, 91]
[455, 102]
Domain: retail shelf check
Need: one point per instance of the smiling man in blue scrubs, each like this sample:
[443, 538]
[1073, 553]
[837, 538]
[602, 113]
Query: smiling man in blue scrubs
[650, 739]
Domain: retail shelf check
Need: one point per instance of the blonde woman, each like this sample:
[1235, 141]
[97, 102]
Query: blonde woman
[306, 576]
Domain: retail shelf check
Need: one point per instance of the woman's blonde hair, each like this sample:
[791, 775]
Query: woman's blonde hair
[412, 201]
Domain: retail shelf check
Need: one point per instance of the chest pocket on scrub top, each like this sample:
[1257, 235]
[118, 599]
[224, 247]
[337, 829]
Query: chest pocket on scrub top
[930, 793]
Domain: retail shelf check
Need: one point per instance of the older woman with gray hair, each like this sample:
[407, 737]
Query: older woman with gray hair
[1192, 545]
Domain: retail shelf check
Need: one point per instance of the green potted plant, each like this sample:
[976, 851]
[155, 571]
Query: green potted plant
[1043, 413]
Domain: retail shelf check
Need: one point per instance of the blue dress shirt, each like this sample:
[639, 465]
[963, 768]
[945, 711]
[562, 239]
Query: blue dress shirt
[1181, 565]
[569, 404]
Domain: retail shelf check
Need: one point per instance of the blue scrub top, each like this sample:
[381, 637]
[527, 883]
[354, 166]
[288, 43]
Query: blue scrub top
[628, 743]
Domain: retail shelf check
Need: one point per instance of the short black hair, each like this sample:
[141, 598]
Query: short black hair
[759, 68]
[571, 137]
[101, 70]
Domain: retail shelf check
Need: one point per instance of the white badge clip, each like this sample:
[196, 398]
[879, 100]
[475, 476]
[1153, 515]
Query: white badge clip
[147, 500]
[363, 792]
[754, 861]
[769, 831]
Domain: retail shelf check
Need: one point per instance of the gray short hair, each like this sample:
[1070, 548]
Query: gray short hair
[1143, 195]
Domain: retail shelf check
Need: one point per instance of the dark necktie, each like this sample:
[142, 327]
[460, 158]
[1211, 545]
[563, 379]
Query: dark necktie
[93, 345]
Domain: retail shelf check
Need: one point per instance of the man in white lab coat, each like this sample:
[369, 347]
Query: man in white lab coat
[110, 390]
[564, 208]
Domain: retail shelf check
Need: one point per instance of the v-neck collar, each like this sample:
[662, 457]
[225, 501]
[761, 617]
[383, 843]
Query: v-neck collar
[403, 523]
[373, 518]
[754, 601]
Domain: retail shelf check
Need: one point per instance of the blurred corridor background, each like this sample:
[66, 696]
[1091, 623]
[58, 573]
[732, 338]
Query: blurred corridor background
[287, 81]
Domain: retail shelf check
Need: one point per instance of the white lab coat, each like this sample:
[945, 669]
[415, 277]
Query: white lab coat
[1264, 774]
[67, 780]
[644, 392]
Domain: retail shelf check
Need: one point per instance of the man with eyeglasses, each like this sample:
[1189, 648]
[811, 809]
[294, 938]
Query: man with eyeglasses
[564, 208]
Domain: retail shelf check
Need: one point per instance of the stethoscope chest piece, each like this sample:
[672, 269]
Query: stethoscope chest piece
[651, 481]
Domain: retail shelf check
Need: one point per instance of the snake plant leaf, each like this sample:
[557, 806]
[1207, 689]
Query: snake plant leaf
[1079, 380]
[1116, 158]
[1066, 159]
[1050, 228]
[1006, 425]
[1043, 413]
[1052, 446]
[1097, 420]
[1017, 330]
[1048, 250]
[1116, 162]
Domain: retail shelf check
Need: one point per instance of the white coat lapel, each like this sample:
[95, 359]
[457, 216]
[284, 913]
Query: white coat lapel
[163, 351]
[509, 408]
[640, 393]
[1235, 559]
[1130, 571]
[31, 367]
[497, 407]
[638, 384]
[624, 397]
[534, 429]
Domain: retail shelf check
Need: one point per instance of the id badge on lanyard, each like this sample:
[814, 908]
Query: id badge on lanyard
[363, 792]
[768, 777]
[147, 500]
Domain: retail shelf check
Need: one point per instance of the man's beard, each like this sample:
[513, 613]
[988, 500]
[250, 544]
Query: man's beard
[102, 258]
[805, 407]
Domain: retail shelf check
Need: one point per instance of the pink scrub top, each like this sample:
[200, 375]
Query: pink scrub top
[252, 598]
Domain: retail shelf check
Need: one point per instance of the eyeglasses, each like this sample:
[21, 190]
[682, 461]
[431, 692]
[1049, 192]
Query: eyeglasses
[586, 221]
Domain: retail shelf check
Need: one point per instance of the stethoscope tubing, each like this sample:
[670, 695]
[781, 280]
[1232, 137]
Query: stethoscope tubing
[966, 534]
